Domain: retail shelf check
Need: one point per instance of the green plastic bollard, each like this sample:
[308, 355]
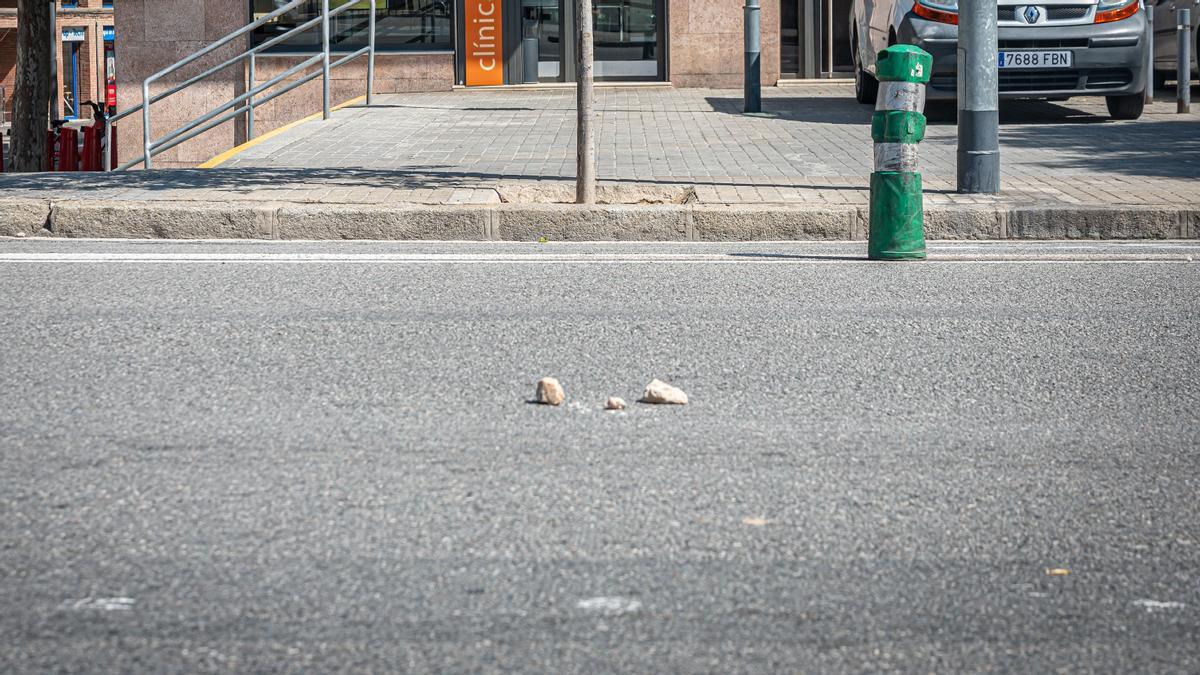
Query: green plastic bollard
[897, 216]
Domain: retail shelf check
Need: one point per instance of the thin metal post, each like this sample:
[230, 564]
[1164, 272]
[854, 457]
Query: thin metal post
[146, 124]
[752, 71]
[585, 141]
[108, 127]
[978, 98]
[1183, 70]
[325, 59]
[250, 102]
[1149, 98]
[371, 55]
[829, 38]
[55, 51]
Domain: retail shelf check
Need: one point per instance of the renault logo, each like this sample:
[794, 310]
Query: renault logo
[1031, 14]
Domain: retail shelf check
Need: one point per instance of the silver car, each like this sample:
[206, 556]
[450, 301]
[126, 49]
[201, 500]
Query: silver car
[1166, 40]
[1054, 49]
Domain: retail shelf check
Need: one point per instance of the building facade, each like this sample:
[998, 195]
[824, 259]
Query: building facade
[429, 45]
[85, 55]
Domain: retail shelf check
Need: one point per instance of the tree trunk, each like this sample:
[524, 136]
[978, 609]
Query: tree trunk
[585, 142]
[32, 91]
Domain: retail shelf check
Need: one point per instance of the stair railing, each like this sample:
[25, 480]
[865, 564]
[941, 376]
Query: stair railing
[232, 109]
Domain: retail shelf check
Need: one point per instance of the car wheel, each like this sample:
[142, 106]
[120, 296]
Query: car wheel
[1128, 107]
[866, 87]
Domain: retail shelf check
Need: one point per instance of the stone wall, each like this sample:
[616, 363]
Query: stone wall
[394, 73]
[707, 47]
[151, 35]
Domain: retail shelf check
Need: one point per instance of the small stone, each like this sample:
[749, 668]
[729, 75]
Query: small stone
[614, 403]
[661, 392]
[549, 391]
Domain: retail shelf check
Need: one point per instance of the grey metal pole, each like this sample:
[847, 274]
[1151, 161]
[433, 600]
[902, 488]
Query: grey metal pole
[1149, 98]
[108, 128]
[146, 124]
[585, 142]
[1183, 70]
[55, 90]
[829, 38]
[978, 98]
[250, 102]
[752, 93]
[325, 59]
[371, 56]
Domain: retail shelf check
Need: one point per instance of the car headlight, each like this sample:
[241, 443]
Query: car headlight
[1115, 10]
[941, 11]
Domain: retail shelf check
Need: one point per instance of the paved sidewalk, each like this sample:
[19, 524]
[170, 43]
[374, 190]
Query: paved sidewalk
[507, 148]
[815, 146]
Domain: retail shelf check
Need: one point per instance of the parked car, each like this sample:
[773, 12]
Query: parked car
[1054, 49]
[1166, 40]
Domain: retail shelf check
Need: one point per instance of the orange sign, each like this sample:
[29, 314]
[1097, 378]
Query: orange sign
[485, 56]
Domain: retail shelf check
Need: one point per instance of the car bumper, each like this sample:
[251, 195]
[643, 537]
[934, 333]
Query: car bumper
[1109, 58]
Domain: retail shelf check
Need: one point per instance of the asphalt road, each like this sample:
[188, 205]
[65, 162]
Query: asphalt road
[320, 457]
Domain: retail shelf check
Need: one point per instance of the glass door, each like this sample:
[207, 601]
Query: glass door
[542, 29]
[814, 38]
[70, 80]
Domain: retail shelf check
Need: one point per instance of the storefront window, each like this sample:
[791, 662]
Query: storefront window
[400, 25]
[626, 38]
[110, 69]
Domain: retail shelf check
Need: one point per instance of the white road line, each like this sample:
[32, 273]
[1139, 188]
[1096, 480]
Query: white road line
[765, 258]
[540, 260]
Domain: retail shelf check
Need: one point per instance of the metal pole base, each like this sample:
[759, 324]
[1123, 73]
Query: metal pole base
[978, 151]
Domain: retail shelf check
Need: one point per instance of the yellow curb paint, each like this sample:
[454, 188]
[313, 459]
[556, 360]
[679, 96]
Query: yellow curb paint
[229, 154]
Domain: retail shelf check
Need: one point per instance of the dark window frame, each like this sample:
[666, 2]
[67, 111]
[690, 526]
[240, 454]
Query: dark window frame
[356, 39]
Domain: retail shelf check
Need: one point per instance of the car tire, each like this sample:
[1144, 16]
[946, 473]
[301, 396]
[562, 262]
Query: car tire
[866, 87]
[1128, 107]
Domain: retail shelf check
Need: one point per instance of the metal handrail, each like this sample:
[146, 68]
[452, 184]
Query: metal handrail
[214, 118]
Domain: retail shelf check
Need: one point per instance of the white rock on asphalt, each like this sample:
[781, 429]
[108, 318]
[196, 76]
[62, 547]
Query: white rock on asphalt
[661, 392]
[614, 403]
[549, 391]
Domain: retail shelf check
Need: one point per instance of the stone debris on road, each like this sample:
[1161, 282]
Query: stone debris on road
[550, 392]
[614, 403]
[661, 392]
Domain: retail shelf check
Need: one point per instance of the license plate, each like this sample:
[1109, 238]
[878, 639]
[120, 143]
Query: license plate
[1055, 59]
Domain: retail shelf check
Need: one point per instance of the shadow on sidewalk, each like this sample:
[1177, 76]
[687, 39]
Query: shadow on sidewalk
[1167, 149]
[821, 109]
[247, 180]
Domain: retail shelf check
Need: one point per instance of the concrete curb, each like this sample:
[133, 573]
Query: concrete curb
[569, 222]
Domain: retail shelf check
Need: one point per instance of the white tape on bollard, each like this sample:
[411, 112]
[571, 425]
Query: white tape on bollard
[896, 157]
[900, 96]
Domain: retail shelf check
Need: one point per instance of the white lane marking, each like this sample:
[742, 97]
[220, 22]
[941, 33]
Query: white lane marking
[1156, 605]
[611, 605]
[105, 604]
[554, 259]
